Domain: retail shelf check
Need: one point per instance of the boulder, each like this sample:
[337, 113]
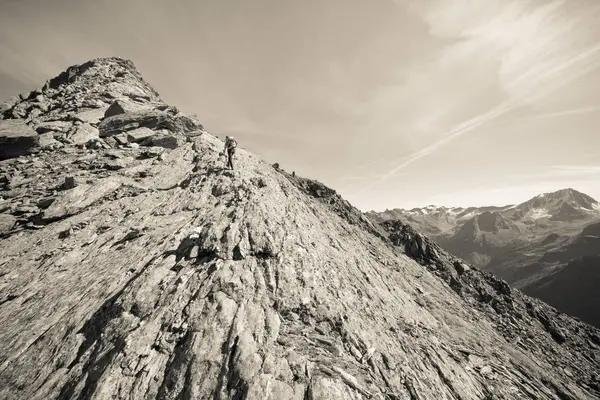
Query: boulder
[154, 120]
[91, 117]
[122, 106]
[164, 140]
[6, 222]
[121, 139]
[70, 182]
[45, 202]
[84, 133]
[111, 142]
[117, 164]
[46, 140]
[53, 126]
[9, 104]
[140, 135]
[461, 267]
[96, 144]
[16, 138]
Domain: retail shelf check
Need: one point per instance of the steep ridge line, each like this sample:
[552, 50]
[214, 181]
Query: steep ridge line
[187, 280]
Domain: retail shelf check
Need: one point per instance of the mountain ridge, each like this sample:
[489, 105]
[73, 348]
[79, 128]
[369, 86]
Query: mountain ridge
[134, 265]
[564, 194]
[530, 244]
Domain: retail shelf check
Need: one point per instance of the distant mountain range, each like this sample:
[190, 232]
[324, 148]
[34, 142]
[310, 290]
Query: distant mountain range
[548, 246]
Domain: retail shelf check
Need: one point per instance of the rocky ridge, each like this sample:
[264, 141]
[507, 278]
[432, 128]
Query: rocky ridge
[141, 268]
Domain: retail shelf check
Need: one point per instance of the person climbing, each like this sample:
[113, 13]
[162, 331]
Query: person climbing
[230, 146]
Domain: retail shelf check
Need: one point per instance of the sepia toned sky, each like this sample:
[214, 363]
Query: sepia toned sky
[392, 103]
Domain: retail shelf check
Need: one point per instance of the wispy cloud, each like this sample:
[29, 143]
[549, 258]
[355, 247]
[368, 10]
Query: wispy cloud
[367, 177]
[542, 87]
[577, 170]
[564, 113]
[505, 193]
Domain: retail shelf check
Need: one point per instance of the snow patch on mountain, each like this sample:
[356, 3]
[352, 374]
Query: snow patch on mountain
[538, 213]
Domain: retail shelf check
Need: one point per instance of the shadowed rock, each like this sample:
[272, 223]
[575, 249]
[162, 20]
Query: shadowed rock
[154, 120]
[16, 138]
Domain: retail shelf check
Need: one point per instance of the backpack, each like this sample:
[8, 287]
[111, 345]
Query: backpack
[231, 144]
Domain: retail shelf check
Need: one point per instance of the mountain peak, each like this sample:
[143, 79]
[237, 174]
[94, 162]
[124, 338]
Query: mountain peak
[559, 192]
[96, 104]
[567, 194]
[92, 85]
[98, 71]
[563, 205]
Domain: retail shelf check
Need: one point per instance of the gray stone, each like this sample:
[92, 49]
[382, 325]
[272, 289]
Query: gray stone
[123, 106]
[154, 120]
[84, 133]
[8, 104]
[7, 222]
[70, 182]
[140, 134]
[152, 152]
[91, 117]
[117, 164]
[53, 126]
[120, 139]
[16, 138]
[165, 141]
[46, 140]
[461, 267]
[45, 202]
[111, 142]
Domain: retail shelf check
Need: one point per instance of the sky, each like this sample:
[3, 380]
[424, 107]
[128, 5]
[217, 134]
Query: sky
[393, 103]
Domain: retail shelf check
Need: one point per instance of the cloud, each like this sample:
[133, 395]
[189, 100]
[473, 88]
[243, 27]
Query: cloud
[366, 177]
[505, 194]
[574, 170]
[538, 81]
[563, 113]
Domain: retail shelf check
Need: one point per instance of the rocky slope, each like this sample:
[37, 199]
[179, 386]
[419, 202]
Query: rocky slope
[134, 266]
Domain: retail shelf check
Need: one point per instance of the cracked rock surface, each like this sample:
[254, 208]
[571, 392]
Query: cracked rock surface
[136, 271]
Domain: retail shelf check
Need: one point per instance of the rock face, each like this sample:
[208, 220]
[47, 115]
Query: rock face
[171, 277]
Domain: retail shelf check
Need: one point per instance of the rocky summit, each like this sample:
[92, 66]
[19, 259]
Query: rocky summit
[133, 265]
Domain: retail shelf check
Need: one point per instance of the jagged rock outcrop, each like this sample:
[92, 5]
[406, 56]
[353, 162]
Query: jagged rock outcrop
[139, 272]
[88, 105]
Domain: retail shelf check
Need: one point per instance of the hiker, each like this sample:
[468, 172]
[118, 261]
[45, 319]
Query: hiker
[230, 145]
